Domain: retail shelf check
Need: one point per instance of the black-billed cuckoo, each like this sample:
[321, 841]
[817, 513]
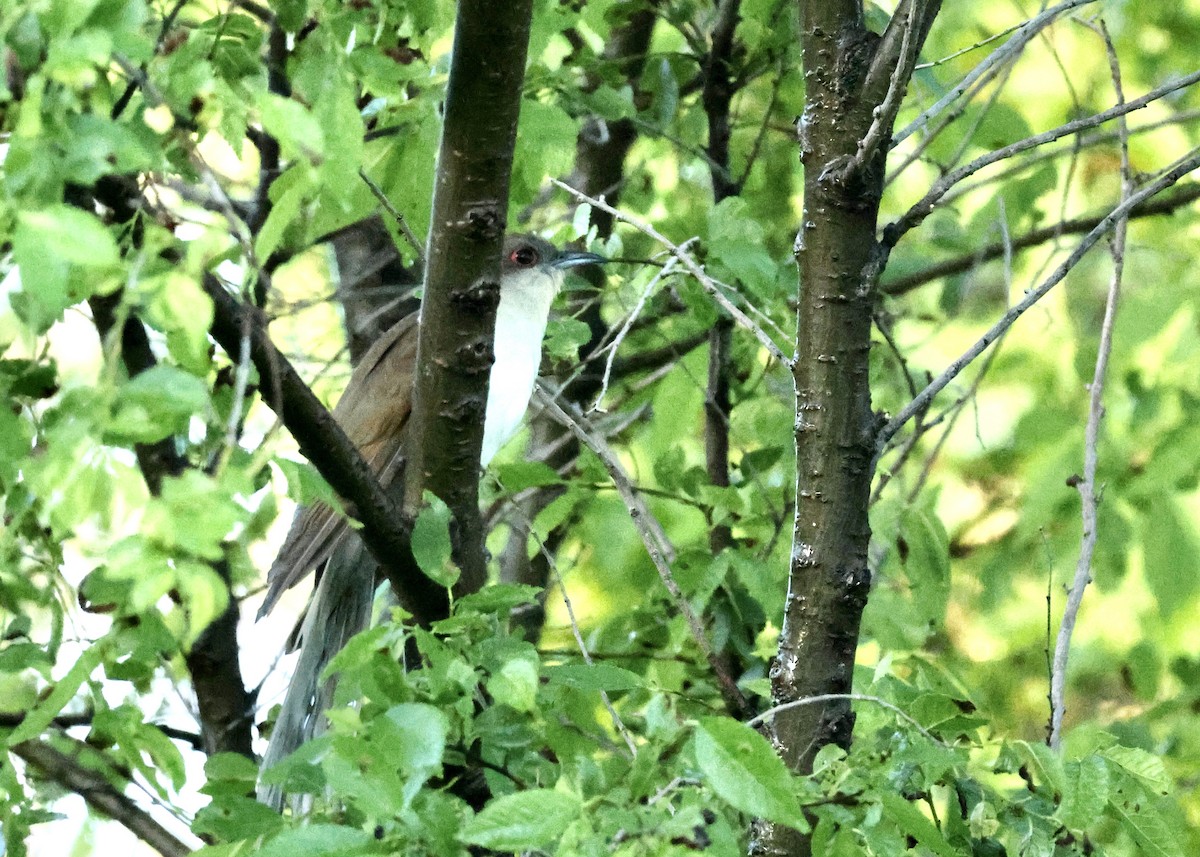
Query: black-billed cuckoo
[374, 411]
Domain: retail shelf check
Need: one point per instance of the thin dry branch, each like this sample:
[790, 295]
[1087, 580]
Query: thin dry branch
[689, 262]
[1013, 46]
[1088, 495]
[917, 214]
[1168, 204]
[1176, 172]
[649, 529]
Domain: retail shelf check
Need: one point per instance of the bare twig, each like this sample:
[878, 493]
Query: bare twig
[853, 697]
[1182, 196]
[1013, 46]
[1094, 139]
[688, 261]
[397, 215]
[548, 555]
[612, 347]
[915, 215]
[1088, 495]
[1181, 168]
[568, 414]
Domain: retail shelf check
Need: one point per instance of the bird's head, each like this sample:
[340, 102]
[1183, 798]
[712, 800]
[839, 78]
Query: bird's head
[531, 262]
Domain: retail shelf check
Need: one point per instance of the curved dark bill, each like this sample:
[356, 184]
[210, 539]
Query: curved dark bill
[575, 259]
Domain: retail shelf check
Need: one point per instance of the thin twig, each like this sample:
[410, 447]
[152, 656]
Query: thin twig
[397, 215]
[853, 697]
[1088, 496]
[1182, 196]
[915, 215]
[1013, 46]
[642, 519]
[1181, 168]
[1096, 138]
[618, 723]
[688, 261]
[612, 347]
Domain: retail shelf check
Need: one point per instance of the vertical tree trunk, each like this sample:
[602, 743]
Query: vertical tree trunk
[462, 270]
[847, 70]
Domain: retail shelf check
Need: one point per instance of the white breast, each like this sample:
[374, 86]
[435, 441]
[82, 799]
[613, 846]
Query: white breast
[520, 327]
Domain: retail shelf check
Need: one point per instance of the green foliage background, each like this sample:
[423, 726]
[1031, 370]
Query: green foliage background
[972, 535]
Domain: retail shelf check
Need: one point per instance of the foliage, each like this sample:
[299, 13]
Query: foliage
[134, 137]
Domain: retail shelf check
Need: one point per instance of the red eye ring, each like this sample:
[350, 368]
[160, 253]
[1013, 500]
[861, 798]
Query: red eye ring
[526, 257]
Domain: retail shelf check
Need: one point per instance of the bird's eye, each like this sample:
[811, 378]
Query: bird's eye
[526, 257]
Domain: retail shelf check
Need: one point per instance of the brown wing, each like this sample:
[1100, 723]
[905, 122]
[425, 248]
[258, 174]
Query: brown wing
[373, 411]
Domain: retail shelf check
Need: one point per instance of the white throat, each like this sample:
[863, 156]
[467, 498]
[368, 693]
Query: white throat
[521, 315]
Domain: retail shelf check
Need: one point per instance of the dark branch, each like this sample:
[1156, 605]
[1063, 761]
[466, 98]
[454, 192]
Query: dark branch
[322, 441]
[1167, 204]
[100, 795]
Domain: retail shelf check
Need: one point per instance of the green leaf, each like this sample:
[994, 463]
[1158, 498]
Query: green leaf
[76, 237]
[194, 514]
[50, 246]
[743, 769]
[299, 133]
[417, 739]
[1142, 817]
[316, 840]
[499, 599]
[520, 475]
[39, 718]
[1085, 793]
[431, 541]
[916, 824]
[564, 338]
[1146, 768]
[1168, 538]
[156, 404]
[515, 684]
[594, 677]
[522, 821]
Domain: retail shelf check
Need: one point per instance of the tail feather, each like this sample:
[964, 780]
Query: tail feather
[315, 534]
[340, 608]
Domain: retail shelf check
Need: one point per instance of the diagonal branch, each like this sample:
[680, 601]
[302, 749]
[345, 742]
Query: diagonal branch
[917, 214]
[693, 267]
[654, 541]
[1167, 204]
[100, 795]
[1179, 170]
[1013, 46]
[324, 443]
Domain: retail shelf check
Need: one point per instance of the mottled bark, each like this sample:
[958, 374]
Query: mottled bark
[462, 272]
[847, 71]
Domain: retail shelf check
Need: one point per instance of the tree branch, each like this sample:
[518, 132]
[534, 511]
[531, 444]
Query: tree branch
[1181, 168]
[1013, 46]
[462, 273]
[100, 795]
[1168, 204]
[385, 531]
[917, 213]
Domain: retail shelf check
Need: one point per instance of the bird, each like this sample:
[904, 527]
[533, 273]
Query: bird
[374, 411]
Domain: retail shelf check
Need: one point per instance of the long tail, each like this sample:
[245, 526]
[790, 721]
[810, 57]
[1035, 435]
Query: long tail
[340, 608]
